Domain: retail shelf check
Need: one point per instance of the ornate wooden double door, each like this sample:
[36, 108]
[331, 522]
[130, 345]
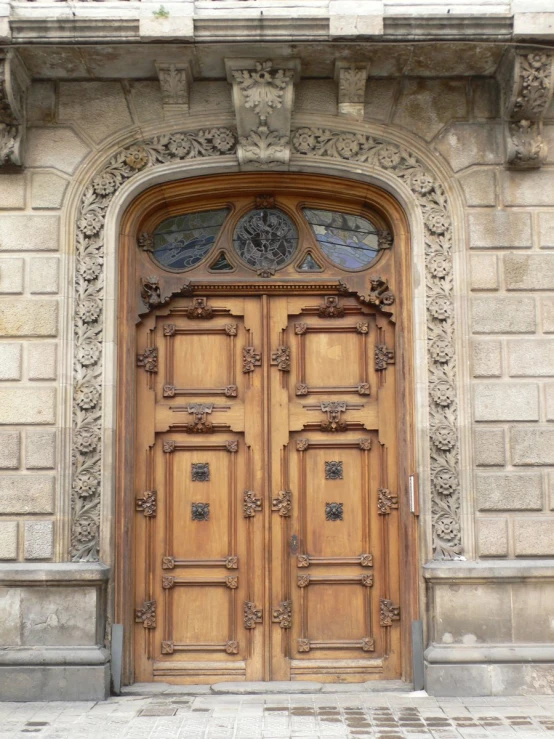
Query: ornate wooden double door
[267, 505]
[268, 451]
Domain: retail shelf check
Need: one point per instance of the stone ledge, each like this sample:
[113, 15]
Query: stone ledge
[63, 573]
[502, 570]
[477, 654]
[45, 656]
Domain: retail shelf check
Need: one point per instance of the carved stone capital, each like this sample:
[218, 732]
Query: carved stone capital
[14, 81]
[527, 80]
[351, 80]
[263, 97]
[175, 84]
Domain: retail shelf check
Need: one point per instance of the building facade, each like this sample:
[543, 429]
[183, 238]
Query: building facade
[276, 344]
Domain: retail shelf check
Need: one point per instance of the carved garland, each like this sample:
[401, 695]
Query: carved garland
[89, 294]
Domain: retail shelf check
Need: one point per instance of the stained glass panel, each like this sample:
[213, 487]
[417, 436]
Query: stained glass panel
[183, 241]
[309, 264]
[349, 241]
[265, 238]
[221, 264]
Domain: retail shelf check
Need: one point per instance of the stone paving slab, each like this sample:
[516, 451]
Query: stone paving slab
[283, 716]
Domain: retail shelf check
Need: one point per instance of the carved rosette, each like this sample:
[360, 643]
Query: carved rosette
[352, 146]
[89, 301]
[14, 81]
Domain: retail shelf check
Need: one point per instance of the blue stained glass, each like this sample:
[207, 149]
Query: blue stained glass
[349, 241]
[183, 241]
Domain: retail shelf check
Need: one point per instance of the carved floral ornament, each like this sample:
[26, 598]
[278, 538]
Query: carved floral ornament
[314, 143]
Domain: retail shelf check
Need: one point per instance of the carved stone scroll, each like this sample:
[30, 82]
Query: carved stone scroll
[351, 81]
[14, 81]
[175, 83]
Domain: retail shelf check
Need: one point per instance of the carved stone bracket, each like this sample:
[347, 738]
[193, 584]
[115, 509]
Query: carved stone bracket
[252, 615]
[14, 81]
[351, 81]
[175, 84]
[282, 615]
[263, 96]
[527, 79]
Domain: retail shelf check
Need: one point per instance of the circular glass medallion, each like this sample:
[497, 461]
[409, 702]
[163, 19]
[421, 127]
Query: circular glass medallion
[182, 242]
[265, 239]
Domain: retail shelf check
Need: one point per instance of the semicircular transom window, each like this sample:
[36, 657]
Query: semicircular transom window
[349, 241]
[183, 241]
[265, 238]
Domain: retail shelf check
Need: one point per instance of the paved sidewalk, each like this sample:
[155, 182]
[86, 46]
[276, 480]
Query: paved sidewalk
[321, 716]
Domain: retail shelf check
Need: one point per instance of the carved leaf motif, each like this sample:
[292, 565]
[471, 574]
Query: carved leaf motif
[169, 329]
[281, 358]
[146, 614]
[232, 446]
[168, 563]
[168, 391]
[282, 615]
[383, 357]
[302, 560]
[264, 146]
[282, 503]
[302, 444]
[368, 644]
[168, 446]
[302, 581]
[148, 503]
[300, 328]
[148, 359]
[231, 563]
[301, 388]
[333, 409]
[250, 359]
[168, 582]
[200, 424]
[263, 89]
[388, 612]
[333, 470]
[386, 501]
[367, 581]
[200, 511]
[251, 504]
[232, 582]
[232, 647]
[231, 391]
[200, 471]
[252, 615]
[366, 560]
[352, 82]
[303, 645]
[362, 327]
[364, 388]
[167, 647]
[231, 329]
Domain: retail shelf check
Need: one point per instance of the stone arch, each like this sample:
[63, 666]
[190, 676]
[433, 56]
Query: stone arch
[386, 158]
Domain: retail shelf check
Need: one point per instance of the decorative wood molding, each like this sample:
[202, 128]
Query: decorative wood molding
[281, 358]
[282, 615]
[14, 81]
[251, 504]
[148, 359]
[388, 612]
[282, 504]
[386, 501]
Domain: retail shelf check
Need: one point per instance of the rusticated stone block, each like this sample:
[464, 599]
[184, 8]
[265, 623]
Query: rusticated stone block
[21, 405]
[8, 539]
[517, 189]
[547, 315]
[479, 186]
[10, 446]
[42, 361]
[486, 359]
[29, 318]
[425, 105]
[464, 144]
[47, 190]
[492, 537]
[503, 315]
[10, 361]
[55, 147]
[486, 97]
[11, 275]
[40, 449]
[26, 494]
[532, 446]
[10, 618]
[484, 272]
[549, 396]
[534, 537]
[506, 402]
[106, 110]
[509, 491]
[529, 271]
[546, 230]
[12, 191]
[489, 447]
[41, 102]
[39, 539]
[29, 233]
[528, 358]
[43, 275]
[499, 229]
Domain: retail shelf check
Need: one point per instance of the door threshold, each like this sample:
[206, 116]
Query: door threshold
[271, 688]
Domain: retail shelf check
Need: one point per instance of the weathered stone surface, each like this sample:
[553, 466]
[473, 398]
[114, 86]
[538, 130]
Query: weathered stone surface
[47, 190]
[59, 616]
[11, 275]
[528, 358]
[464, 144]
[549, 396]
[12, 191]
[532, 446]
[59, 683]
[44, 275]
[484, 272]
[486, 358]
[26, 494]
[146, 97]
[10, 448]
[42, 361]
[58, 148]
[531, 187]
[457, 624]
[458, 680]
[509, 491]
[310, 95]
[39, 540]
[10, 361]
[547, 315]
[546, 230]
[10, 617]
[503, 315]
[492, 537]
[529, 271]
[29, 318]
[20, 405]
[105, 112]
[29, 233]
[499, 229]
[425, 105]
[506, 402]
[41, 102]
[534, 537]
[489, 447]
[379, 98]
[277, 686]
[486, 98]
[479, 186]
[532, 604]
[8, 540]
[40, 449]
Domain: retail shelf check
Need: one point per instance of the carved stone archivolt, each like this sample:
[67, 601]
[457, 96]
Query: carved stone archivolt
[14, 81]
[338, 146]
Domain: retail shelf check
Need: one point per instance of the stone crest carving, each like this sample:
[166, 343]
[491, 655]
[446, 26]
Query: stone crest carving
[14, 81]
[263, 96]
[527, 81]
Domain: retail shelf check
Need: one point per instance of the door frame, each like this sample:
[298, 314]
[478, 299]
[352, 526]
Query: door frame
[160, 200]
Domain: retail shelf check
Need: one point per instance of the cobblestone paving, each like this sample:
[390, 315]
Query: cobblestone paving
[321, 716]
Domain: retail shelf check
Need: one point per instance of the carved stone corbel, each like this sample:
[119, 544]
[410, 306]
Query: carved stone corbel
[175, 84]
[351, 80]
[526, 78]
[263, 97]
[14, 81]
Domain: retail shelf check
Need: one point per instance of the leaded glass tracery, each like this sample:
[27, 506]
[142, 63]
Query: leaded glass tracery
[265, 239]
[349, 241]
[183, 241]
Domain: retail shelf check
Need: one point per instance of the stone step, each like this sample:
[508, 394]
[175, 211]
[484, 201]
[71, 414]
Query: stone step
[268, 688]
